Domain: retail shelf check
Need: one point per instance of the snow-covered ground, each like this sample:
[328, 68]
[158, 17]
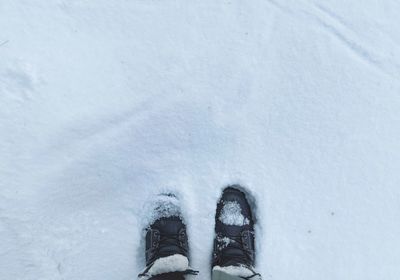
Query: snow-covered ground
[104, 104]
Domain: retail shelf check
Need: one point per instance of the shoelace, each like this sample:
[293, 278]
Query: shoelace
[170, 240]
[243, 259]
[237, 243]
[251, 276]
[182, 273]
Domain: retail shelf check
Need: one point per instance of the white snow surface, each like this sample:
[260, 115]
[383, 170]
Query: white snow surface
[160, 206]
[240, 271]
[104, 104]
[171, 263]
[231, 214]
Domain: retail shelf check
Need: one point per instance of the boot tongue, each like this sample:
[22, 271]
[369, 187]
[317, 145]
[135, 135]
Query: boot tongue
[169, 276]
[233, 257]
[233, 230]
[169, 229]
[234, 253]
[231, 263]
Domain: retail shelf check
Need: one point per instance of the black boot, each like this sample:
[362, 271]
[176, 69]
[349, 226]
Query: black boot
[234, 255]
[167, 251]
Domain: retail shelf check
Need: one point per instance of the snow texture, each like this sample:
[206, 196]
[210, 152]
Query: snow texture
[167, 264]
[105, 104]
[223, 242]
[240, 271]
[162, 206]
[231, 214]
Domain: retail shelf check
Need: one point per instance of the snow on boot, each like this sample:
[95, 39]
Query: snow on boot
[166, 242]
[233, 256]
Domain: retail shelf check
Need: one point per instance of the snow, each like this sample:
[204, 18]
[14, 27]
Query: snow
[223, 242]
[240, 271]
[171, 263]
[231, 214]
[161, 206]
[104, 104]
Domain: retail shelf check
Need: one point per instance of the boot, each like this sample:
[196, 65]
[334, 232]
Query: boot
[167, 251]
[234, 254]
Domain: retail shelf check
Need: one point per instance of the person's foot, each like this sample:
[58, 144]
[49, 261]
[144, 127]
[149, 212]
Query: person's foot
[167, 251]
[233, 255]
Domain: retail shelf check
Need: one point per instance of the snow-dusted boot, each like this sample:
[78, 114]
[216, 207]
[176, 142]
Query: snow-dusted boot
[167, 249]
[233, 256]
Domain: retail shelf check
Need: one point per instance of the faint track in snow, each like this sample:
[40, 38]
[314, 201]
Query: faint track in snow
[335, 30]
[282, 8]
[353, 45]
[4, 43]
[331, 14]
[339, 29]
[279, 6]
